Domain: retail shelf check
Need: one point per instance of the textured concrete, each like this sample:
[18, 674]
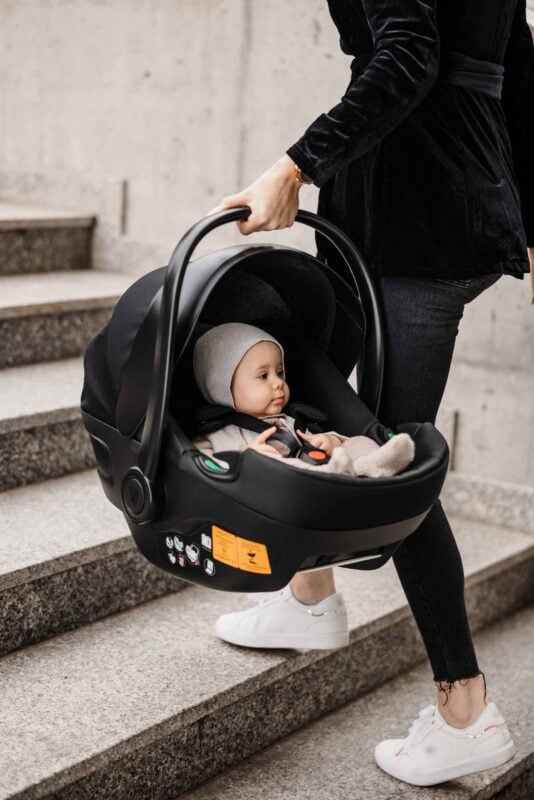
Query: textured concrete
[67, 558]
[491, 383]
[210, 85]
[41, 434]
[55, 445]
[332, 758]
[508, 504]
[165, 704]
[42, 250]
[37, 239]
[22, 216]
[53, 315]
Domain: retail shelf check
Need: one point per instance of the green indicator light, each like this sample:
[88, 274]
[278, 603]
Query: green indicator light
[213, 466]
[390, 435]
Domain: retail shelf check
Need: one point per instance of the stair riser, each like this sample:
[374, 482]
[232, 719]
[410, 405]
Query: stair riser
[520, 788]
[36, 452]
[44, 250]
[53, 604]
[48, 337]
[168, 764]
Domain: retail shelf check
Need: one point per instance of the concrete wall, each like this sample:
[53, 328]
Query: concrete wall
[147, 112]
[151, 112]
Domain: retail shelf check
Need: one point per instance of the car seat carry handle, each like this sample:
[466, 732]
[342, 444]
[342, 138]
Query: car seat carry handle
[164, 355]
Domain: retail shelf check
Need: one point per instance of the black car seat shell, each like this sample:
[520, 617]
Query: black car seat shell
[252, 526]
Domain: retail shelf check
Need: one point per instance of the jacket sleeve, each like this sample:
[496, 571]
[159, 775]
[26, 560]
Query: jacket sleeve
[402, 69]
[518, 104]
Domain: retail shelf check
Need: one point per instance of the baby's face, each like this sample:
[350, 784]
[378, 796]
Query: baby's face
[258, 383]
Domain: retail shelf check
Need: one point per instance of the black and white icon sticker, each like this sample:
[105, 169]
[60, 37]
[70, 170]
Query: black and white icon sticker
[209, 566]
[192, 552]
[181, 560]
[205, 541]
[169, 542]
[172, 557]
[179, 544]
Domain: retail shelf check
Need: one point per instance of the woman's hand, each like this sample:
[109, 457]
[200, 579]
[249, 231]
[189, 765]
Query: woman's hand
[325, 441]
[531, 259]
[259, 444]
[272, 198]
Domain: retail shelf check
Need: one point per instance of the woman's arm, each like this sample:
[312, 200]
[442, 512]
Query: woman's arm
[401, 71]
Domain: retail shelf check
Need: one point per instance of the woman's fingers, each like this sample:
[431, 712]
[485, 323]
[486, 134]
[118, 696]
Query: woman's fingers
[232, 201]
[272, 199]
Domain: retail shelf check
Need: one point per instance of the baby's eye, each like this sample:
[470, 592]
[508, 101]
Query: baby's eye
[263, 375]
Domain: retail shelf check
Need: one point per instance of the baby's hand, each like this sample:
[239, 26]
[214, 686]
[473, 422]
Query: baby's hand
[325, 441]
[259, 444]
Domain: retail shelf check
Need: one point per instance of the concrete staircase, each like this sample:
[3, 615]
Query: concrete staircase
[112, 682]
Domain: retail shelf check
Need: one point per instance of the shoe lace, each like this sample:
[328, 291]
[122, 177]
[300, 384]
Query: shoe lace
[420, 727]
[262, 597]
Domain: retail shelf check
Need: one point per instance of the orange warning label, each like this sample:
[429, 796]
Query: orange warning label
[253, 556]
[224, 546]
[239, 553]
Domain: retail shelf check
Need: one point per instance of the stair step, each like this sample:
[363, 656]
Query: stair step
[66, 559]
[41, 432]
[489, 500]
[150, 703]
[333, 758]
[53, 315]
[38, 239]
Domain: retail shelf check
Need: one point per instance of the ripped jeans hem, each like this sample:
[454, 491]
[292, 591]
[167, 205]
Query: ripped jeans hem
[449, 684]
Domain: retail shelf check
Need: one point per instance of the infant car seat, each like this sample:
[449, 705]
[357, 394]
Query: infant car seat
[253, 525]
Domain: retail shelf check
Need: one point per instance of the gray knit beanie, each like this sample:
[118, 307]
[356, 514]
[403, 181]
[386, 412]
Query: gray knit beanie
[217, 354]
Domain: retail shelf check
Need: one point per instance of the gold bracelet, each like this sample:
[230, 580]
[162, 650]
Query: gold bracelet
[300, 177]
[298, 174]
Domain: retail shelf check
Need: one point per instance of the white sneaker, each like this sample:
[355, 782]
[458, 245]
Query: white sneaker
[434, 752]
[280, 620]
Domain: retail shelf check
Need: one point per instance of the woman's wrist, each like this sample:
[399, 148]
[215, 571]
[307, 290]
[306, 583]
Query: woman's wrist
[289, 170]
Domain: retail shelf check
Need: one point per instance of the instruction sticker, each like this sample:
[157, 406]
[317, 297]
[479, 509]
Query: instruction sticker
[253, 556]
[224, 546]
[240, 553]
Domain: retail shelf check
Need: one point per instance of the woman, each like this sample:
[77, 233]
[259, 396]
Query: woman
[427, 164]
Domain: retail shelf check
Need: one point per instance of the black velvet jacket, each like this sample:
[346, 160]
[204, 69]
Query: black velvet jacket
[427, 177]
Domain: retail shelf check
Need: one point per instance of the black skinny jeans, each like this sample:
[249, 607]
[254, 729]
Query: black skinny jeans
[421, 320]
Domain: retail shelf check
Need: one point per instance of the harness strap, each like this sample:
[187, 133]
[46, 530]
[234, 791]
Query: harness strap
[213, 417]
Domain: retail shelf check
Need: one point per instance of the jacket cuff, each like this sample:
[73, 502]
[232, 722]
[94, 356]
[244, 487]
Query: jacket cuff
[297, 155]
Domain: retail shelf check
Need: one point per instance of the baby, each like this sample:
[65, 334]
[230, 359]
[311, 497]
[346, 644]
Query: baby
[242, 367]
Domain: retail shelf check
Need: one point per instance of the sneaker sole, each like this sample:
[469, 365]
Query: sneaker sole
[325, 641]
[484, 762]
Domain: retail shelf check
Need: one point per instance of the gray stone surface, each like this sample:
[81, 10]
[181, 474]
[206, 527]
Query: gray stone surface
[165, 704]
[44, 249]
[41, 434]
[32, 295]
[27, 340]
[67, 558]
[499, 502]
[38, 449]
[22, 216]
[53, 315]
[332, 758]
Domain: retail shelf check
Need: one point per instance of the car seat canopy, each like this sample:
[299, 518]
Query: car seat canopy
[270, 286]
